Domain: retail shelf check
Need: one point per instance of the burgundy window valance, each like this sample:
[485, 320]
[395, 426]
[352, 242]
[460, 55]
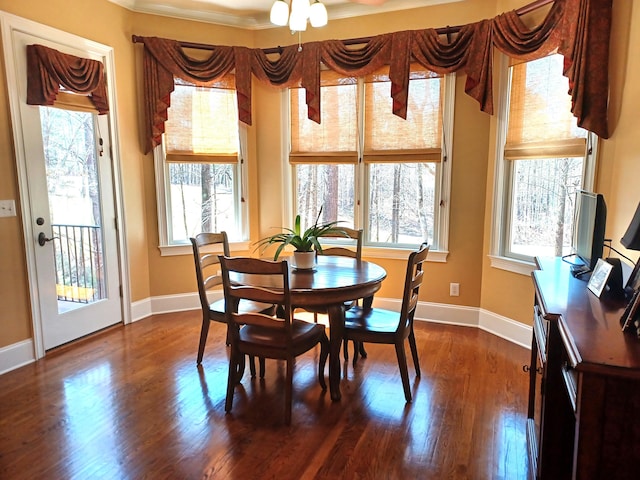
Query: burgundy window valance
[48, 69]
[578, 29]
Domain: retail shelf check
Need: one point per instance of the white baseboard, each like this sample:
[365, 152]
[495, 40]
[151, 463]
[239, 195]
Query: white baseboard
[141, 309]
[493, 323]
[167, 304]
[16, 355]
[22, 353]
[514, 332]
[504, 327]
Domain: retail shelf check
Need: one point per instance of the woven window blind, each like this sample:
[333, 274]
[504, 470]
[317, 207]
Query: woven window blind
[67, 100]
[389, 138]
[202, 125]
[540, 121]
[334, 140]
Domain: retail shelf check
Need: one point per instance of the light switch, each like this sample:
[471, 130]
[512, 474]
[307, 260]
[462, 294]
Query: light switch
[7, 208]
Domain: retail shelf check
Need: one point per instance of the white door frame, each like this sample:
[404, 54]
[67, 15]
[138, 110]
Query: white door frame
[8, 24]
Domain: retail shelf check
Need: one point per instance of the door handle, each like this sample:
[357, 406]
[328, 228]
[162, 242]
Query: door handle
[42, 239]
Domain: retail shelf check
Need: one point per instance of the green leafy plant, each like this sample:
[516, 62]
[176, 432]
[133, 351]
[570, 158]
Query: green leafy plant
[305, 241]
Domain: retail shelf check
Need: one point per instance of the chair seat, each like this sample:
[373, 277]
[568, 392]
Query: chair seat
[217, 309]
[303, 334]
[376, 320]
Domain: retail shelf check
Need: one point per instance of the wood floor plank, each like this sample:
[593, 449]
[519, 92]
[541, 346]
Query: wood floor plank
[130, 403]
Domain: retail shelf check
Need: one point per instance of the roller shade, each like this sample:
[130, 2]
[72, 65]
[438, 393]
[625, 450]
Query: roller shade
[334, 140]
[540, 121]
[417, 139]
[202, 125]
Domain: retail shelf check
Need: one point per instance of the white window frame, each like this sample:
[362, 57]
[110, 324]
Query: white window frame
[440, 250]
[162, 201]
[502, 180]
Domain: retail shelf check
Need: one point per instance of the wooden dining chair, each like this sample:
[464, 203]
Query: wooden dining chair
[349, 234]
[262, 335]
[376, 325]
[209, 278]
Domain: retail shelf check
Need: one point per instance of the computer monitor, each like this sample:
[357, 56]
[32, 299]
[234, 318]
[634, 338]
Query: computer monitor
[588, 230]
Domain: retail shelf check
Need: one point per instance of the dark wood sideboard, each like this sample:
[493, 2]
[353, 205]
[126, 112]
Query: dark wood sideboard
[584, 382]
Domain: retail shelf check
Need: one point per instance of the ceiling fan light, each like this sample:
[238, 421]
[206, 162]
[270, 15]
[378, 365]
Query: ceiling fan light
[297, 22]
[300, 7]
[318, 14]
[279, 13]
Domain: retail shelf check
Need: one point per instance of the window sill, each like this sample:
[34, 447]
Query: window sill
[368, 252]
[174, 250]
[511, 265]
[438, 256]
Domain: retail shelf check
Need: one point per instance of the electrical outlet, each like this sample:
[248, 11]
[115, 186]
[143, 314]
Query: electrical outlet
[7, 208]
[454, 289]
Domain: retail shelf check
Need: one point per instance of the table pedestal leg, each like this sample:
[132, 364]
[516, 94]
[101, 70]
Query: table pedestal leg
[336, 326]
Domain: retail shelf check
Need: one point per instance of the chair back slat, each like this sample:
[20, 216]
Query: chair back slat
[208, 259]
[349, 234]
[213, 281]
[257, 294]
[263, 281]
[259, 320]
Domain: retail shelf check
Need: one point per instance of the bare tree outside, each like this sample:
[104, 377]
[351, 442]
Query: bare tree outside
[329, 187]
[544, 197]
[401, 202]
[202, 196]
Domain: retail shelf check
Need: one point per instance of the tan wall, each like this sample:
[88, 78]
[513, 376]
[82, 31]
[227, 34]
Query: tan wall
[152, 275]
[619, 168]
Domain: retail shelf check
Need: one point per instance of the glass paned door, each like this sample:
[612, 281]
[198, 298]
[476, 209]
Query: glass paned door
[71, 190]
[75, 244]
[69, 141]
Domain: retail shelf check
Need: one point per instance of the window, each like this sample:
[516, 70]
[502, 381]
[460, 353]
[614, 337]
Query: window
[543, 159]
[198, 167]
[370, 169]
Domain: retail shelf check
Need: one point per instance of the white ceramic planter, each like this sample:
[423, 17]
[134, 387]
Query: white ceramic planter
[304, 260]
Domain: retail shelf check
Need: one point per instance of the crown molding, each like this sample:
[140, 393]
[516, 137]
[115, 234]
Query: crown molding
[261, 21]
[199, 15]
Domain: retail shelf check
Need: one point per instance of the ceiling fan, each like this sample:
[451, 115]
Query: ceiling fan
[297, 13]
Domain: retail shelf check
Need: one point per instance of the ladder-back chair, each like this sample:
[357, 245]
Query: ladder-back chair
[265, 336]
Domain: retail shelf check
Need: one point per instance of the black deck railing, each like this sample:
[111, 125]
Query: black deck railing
[79, 268]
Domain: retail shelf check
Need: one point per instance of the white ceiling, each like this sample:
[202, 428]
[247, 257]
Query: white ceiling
[254, 14]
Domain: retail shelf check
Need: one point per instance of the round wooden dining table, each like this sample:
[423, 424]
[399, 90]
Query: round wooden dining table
[332, 282]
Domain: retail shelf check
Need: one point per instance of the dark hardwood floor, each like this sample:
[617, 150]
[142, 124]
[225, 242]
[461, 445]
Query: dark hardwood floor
[130, 403]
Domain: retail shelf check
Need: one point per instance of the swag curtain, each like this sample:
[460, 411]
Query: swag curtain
[578, 29]
[48, 69]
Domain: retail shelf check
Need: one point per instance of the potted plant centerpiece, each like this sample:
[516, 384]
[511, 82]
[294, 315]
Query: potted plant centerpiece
[305, 243]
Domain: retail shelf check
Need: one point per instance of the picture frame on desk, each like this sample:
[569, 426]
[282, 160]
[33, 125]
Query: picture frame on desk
[599, 277]
[630, 319]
